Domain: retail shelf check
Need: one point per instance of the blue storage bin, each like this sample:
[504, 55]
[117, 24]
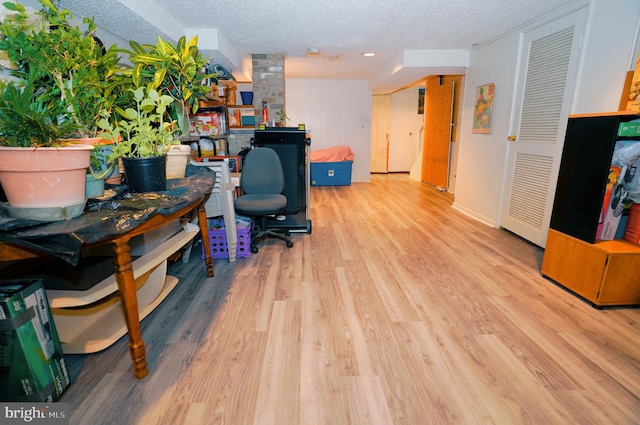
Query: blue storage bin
[331, 173]
[247, 120]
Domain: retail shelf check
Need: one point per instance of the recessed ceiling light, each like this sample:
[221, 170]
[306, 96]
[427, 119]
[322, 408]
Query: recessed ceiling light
[368, 54]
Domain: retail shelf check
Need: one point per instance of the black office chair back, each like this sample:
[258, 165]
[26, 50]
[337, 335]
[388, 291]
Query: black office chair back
[262, 172]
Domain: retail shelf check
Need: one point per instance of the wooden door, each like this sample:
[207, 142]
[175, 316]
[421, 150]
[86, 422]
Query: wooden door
[380, 129]
[549, 65]
[437, 133]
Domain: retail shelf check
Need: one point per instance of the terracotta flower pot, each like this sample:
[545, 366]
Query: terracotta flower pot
[36, 178]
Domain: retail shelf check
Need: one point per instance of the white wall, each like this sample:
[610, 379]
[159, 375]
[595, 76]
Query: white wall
[609, 45]
[482, 157]
[405, 126]
[336, 112]
[106, 37]
[608, 48]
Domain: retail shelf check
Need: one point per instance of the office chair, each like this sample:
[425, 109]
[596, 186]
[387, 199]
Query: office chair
[262, 184]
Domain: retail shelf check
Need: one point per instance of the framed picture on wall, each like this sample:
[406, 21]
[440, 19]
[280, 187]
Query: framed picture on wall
[421, 101]
[483, 108]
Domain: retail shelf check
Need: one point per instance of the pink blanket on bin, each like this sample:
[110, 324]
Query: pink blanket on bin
[334, 154]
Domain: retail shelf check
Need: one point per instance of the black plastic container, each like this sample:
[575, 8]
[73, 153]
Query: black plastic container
[146, 174]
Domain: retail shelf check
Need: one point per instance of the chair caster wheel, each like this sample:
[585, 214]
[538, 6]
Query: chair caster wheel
[254, 249]
[289, 244]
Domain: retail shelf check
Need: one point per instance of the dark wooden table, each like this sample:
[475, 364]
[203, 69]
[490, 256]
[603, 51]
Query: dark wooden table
[13, 250]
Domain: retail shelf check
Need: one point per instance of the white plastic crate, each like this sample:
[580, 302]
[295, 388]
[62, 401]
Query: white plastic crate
[220, 202]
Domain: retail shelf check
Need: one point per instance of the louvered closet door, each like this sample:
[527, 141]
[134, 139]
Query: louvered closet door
[543, 96]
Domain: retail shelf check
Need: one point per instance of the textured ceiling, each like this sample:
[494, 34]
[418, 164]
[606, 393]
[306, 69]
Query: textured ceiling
[341, 29]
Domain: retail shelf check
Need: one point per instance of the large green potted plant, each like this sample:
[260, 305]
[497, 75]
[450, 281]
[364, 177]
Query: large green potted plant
[65, 62]
[63, 81]
[142, 136]
[42, 175]
[175, 70]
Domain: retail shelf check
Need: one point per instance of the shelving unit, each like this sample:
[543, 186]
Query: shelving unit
[220, 114]
[604, 272]
[217, 110]
[244, 112]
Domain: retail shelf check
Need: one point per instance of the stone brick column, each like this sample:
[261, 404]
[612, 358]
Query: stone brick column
[268, 84]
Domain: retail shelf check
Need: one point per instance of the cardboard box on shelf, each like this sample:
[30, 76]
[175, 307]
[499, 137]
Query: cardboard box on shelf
[205, 124]
[32, 366]
[235, 179]
[227, 91]
[613, 204]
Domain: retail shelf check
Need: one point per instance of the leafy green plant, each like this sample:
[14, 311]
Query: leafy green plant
[177, 70]
[282, 117]
[26, 120]
[65, 64]
[96, 160]
[142, 131]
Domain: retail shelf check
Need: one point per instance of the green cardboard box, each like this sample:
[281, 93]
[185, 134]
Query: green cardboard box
[32, 366]
[629, 129]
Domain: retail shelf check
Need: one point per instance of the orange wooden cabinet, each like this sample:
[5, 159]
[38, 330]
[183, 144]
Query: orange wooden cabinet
[606, 273]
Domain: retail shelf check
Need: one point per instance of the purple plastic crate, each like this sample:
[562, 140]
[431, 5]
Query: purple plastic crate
[218, 243]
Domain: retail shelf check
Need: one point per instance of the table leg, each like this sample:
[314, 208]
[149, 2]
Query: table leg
[204, 233]
[129, 300]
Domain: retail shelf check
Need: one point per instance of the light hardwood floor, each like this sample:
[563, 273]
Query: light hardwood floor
[397, 309]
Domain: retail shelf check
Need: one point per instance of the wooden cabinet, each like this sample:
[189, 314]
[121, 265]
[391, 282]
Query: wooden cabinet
[603, 272]
[584, 172]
